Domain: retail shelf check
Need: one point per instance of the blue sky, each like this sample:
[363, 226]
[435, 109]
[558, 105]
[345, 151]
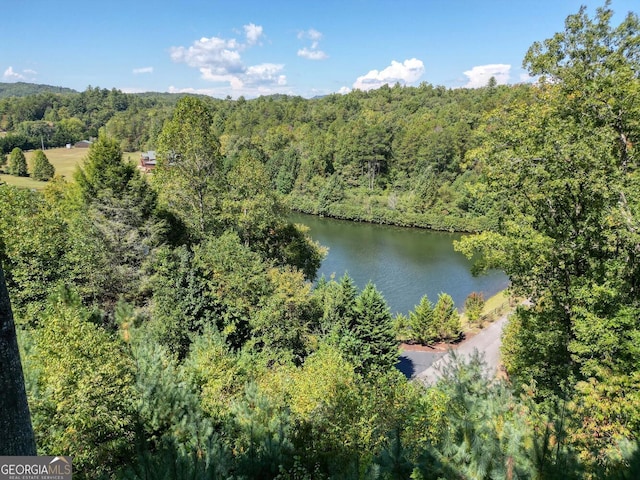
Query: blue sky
[252, 48]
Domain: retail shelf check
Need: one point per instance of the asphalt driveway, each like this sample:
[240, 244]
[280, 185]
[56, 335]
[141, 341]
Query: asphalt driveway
[425, 365]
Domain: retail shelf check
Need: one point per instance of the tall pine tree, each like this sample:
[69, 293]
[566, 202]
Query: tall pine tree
[421, 322]
[373, 329]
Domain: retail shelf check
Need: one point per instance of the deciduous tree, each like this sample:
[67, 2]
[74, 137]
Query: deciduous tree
[17, 164]
[189, 175]
[82, 393]
[563, 169]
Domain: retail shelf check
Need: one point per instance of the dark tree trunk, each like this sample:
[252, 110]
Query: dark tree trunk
[16, 432]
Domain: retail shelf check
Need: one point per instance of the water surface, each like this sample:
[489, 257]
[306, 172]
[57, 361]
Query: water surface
[403, 263]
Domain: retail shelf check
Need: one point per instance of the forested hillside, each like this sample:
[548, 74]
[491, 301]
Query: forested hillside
[393, 155]
[168, 323]
[23, 89]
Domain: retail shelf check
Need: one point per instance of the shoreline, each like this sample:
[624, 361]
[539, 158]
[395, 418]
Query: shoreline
[496, 307]
[454, 227]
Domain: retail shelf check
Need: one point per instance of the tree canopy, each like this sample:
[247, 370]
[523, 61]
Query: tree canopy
[563, 168]
[169, 322]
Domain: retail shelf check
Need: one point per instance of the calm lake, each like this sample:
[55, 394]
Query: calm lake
[403, 263]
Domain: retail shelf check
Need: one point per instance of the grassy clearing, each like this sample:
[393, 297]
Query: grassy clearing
[63, 159]
[498, 301]
[494, 307]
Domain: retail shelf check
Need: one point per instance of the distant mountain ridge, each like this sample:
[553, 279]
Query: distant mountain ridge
[24, 89]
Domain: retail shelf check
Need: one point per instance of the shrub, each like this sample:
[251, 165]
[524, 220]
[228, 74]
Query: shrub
[473, 306]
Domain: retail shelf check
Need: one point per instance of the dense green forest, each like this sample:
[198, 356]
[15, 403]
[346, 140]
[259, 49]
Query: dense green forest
[393, 155]
[23, 89]
[169, 327]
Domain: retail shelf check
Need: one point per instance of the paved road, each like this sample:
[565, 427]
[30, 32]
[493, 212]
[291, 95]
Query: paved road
[413, 362]
[486, 342]
[425, 365]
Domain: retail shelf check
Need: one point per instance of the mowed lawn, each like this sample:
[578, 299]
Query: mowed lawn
[63, 159]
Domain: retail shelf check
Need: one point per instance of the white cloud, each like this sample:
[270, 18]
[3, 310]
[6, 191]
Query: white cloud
[344, 90]
[311, 34]
[234, 81]
[312, 53]
[247, 91]
[137, 71]
[10, 74]
[253, 33]
[215, 54]
[219, 60]
[479, 75]
[266, 73]
[404, 73]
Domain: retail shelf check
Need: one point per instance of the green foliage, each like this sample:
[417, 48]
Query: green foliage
[255, 212]
[220, 285]
[250, 206]
[333, 191]
[41, 168]
[286, 317]
[325, 400]
[235, 278]
[532, 348]
[22, 89]
[33, 243]
[605, 418]
[566, 183]
[473, 305]
[261, 435]
[81, 389]
[189, 173]
[485, 435]
[563, 170]
[380, 143]
[180, 304]
[446, 318]
[375, 345]
[225, 363]
[337, 302]
[428, 323]
[421, 321]
[17, 163]
[167, 405]
[291, 245]
[402, 327]
[117, 213]
[217, 373]
[104, 169]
